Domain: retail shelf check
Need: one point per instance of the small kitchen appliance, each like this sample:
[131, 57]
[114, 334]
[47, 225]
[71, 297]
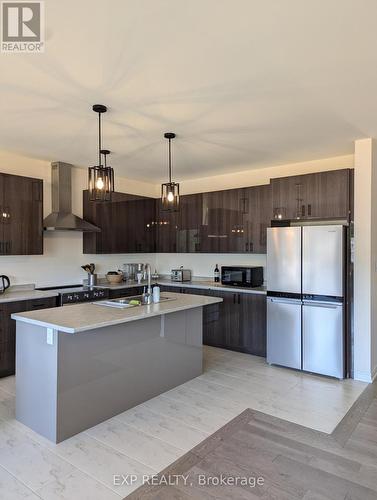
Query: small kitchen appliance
[181, 274]
[249, 277]
[4, 283]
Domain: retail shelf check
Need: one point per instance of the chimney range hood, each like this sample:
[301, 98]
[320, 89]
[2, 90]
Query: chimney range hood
[62, 218]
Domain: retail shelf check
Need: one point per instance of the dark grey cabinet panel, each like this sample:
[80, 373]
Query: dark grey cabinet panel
[8, 329]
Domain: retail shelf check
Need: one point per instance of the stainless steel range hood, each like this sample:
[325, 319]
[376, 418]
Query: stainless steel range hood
[62, 218]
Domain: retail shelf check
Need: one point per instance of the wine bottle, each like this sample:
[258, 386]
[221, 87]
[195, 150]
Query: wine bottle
[216, 274]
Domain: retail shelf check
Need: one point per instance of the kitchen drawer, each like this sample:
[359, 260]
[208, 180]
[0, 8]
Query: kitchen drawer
[41, 303]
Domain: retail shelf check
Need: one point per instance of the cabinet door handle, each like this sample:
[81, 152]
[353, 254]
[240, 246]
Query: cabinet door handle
[239, 298]
[303, 210]
[247, 247]
[251, 246]
[309, 209]
[234, 298]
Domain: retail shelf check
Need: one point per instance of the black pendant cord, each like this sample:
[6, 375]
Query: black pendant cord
[99, 139]
[169, 160]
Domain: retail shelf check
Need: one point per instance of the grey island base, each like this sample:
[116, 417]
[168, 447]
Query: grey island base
[79, 365]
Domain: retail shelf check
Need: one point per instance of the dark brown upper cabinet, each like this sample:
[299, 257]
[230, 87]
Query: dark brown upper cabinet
[256, 217]
[235, 220]
[227, 221]
[188, 223]
[166, 229]
[127, 222]
[221, 230]
[21, 215]
[323, 195]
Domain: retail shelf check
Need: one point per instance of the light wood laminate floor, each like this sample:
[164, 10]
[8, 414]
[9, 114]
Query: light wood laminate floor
[150, 437]
[280, 461]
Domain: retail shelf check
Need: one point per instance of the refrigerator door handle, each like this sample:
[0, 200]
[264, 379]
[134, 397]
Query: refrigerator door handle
[284, 301]
[326, 305]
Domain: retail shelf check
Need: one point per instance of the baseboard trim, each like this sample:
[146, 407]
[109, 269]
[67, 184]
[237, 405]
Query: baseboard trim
[364, 376]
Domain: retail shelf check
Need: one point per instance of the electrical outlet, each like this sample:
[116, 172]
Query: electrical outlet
[50, 336]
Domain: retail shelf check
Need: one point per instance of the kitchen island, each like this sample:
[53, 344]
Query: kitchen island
[81, 364]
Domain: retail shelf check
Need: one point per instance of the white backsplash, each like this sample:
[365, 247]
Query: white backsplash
[61, 261]
[203, 264]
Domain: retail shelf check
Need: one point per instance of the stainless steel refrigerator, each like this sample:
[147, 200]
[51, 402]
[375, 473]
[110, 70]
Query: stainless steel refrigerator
[305, 298]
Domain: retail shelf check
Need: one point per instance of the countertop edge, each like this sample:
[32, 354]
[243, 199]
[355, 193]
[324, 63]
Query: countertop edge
[26, 295]
[187, 284]
[118, 321]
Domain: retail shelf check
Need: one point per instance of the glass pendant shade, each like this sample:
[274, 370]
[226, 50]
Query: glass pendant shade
[170, 190]
[100, 177]
[170, 196]
[101, 183]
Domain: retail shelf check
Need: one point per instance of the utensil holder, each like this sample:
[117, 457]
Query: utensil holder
[92, 279]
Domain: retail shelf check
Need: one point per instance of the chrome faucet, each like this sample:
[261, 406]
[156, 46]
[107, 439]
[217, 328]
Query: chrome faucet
[147, 296]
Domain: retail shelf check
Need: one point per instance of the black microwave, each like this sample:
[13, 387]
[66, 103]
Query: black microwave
[242, 276]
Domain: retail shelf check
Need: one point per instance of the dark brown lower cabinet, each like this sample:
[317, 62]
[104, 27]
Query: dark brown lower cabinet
[8, 329]
[238, 323]
[253, 326]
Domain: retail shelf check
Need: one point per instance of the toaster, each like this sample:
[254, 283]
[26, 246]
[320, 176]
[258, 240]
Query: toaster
[181, 274]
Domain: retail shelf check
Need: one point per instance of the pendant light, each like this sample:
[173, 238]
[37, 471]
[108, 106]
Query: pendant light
[101, 178]
[170, 190]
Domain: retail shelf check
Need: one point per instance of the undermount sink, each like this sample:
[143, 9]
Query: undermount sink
[126, 302]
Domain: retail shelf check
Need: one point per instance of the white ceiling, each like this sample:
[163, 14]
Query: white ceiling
[243, 83]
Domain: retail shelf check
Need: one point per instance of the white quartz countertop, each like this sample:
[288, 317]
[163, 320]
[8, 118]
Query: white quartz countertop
[195, 283]
[17, 294]
[88, 316]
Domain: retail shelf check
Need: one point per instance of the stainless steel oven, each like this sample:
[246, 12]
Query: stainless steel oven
[76, 294]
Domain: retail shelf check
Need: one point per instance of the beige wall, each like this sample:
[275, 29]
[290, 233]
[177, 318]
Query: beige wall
[365, 260]
[263, 175]
[374, 261]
